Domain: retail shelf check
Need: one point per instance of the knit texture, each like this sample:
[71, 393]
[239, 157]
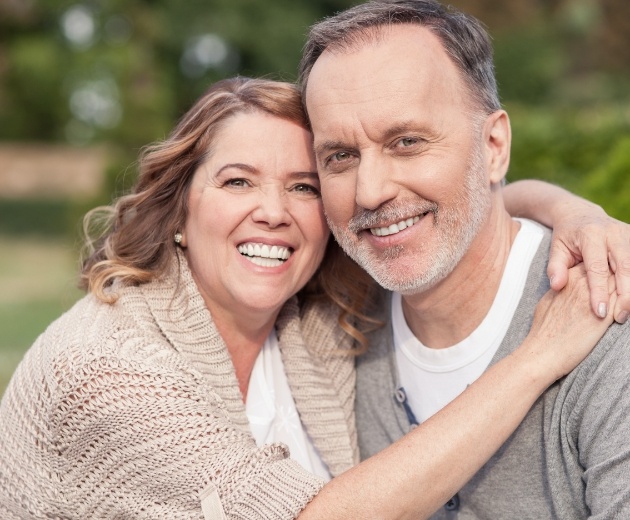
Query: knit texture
[133, 410]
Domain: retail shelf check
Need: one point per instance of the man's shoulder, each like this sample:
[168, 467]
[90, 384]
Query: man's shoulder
[609, 360]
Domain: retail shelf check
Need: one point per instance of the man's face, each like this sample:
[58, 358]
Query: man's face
[400, 161]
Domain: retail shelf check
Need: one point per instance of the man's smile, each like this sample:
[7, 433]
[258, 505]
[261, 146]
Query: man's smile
[392, 229]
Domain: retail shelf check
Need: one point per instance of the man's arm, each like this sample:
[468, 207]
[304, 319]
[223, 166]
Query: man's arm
[422, 470]
[582, 231]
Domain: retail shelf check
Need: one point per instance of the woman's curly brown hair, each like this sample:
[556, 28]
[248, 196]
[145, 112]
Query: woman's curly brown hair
[132, 240]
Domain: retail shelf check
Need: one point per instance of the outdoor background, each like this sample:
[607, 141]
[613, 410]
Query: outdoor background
[83, 85]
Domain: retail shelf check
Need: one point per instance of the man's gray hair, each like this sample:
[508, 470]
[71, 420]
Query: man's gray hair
[463, 36]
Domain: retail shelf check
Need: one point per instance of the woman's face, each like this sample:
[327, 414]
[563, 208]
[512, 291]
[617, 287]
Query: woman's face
[255, 231]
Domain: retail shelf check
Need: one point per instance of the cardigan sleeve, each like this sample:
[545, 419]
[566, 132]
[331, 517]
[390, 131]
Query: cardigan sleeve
[133, 440]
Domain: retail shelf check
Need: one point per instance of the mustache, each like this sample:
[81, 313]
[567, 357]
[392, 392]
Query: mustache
[391, 212]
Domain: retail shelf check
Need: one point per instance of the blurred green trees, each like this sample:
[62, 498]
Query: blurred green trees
[124, 70]
[86, 71]
[563, 68]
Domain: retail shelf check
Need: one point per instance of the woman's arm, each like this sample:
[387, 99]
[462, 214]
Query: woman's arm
[582, 232]
[419, 473]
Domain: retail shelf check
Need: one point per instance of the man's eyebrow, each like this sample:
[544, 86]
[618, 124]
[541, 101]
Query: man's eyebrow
[304, 175]
[391, 132]
[400, 128]
[329, 145]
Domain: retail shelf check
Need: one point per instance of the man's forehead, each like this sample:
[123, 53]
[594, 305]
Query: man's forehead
[399, 51]
[413, 38]
[382, 79]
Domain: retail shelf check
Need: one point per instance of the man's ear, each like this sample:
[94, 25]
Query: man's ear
[497, 139]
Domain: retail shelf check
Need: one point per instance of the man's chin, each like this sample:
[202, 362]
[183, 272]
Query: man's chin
[407, 277]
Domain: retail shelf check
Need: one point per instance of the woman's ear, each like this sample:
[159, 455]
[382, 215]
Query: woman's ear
[497, 139]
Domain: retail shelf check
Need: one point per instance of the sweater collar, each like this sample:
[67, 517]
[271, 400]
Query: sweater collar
[185, 321]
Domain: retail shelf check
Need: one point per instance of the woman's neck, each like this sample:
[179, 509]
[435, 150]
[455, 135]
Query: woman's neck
[244, 337]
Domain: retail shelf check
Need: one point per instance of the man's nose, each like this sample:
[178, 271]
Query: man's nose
[375, 182]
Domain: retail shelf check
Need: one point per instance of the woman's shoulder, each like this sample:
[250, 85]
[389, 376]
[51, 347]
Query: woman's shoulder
[94, 333]
[91, 324]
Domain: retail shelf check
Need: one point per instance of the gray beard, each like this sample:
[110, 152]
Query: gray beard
[456, 230]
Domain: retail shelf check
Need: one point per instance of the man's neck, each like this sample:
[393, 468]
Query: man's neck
[450, 311]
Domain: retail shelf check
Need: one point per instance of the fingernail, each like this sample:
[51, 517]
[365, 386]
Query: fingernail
[602, 311]
[623, 317]
[551, 280]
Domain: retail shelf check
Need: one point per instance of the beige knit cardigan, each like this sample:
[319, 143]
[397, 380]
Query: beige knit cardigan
[133, 410]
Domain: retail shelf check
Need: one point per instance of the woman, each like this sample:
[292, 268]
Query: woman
[154, 396]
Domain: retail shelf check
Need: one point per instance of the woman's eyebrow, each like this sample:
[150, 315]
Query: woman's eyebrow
[248, 168]
[240, 166]
[297, 175]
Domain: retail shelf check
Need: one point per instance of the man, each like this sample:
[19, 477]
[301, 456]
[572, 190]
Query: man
[412, 147]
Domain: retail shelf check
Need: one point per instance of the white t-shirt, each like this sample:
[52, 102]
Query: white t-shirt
[432, 378]
[271, 410]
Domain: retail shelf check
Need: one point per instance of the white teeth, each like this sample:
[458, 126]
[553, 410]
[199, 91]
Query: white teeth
[265, 262]
[394, 228]
[264, 255]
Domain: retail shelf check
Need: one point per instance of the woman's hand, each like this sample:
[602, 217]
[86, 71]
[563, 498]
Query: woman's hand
[589, 235]
[582, 232]
[466, 432]
[564, 330]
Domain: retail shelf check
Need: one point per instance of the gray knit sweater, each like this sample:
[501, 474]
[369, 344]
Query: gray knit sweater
[569, 459]
[133, 410]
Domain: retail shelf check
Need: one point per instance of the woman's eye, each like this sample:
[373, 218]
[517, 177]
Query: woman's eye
[236, 183]
[306, 189]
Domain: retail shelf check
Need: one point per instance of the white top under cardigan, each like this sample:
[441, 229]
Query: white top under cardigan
[271, 410]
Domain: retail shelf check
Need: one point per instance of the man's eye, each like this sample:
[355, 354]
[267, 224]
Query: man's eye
[340, 156]
[405, 142]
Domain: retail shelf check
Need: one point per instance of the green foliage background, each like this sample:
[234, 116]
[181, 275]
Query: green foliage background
[563, 67]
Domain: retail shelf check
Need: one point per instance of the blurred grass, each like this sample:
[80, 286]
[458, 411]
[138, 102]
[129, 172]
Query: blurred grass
[37, 284]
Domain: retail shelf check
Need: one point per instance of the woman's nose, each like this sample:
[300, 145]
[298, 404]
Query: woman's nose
[272, 207]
